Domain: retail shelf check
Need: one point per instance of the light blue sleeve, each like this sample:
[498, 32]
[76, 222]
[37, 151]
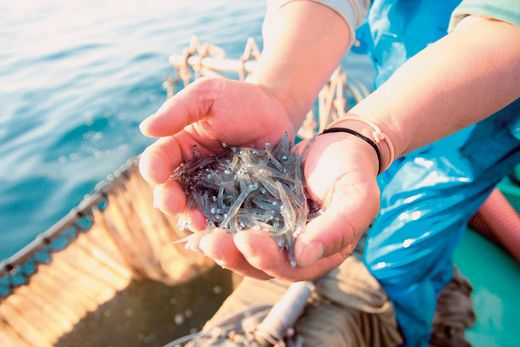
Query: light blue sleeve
[353, 12]
[504, 10]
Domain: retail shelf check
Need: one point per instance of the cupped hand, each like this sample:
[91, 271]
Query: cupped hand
[207, 113]
[339, 170]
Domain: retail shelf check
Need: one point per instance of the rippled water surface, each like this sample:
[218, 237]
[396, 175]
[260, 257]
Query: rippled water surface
[76, 78]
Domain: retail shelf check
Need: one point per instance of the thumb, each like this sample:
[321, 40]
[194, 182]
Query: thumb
[190, 105]
[351, 210]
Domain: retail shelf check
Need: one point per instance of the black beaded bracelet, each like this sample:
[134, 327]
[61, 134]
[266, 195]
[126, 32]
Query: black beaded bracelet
[361, 136]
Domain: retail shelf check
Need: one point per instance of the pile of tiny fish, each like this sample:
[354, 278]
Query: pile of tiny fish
[250, 189]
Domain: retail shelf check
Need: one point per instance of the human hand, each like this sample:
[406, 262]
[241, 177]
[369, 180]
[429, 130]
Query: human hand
[207, 113]
[340, 172]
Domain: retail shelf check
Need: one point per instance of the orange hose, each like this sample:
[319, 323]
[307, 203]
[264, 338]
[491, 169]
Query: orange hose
[503, 222]
[478, 224]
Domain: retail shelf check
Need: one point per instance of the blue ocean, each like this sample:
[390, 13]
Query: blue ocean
[77, 77]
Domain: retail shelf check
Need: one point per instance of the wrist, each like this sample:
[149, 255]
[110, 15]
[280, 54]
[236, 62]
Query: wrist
[298, 58]
[359, 152]
[370, 133]
[295, 108]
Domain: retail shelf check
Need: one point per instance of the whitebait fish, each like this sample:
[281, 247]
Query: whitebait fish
[250, 189]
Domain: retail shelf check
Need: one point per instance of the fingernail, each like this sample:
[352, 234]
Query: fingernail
[220, 263]
[192, 244]
[203, 244]
[310, 253]
[156, 199]
[143, 126]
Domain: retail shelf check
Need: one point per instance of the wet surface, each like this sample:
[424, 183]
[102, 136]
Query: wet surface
[245, 188]
[495, 277]
[149, 313]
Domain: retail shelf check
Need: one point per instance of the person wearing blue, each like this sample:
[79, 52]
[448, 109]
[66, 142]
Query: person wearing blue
[428, 196]
[443, 127]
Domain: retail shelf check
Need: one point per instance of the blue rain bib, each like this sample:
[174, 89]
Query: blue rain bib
[428, 195]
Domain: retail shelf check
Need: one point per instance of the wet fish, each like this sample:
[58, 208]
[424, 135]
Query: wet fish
[247, 188]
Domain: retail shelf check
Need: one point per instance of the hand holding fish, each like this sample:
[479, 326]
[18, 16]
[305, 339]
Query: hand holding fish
[207, 114]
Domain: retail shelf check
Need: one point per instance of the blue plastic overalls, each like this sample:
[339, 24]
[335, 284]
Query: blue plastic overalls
[428, 195]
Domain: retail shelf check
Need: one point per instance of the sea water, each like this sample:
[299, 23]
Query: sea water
[76, 79]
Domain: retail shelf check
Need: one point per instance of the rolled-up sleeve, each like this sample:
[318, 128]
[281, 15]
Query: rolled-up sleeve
[504, 10]
[353, 12]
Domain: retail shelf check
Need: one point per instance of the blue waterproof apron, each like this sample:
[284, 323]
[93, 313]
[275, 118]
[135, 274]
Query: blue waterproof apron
[428, 195]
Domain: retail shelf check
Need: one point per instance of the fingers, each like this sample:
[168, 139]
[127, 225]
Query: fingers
[262, 252]
[193, 241]
[326, 235]
[198, 220]
[190, 105]
[169, 198]
[255, 254]
[219, 245]
[352, 208]
[160, 159]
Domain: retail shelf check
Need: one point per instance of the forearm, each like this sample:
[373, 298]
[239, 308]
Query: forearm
[303, 43]
[459, 80]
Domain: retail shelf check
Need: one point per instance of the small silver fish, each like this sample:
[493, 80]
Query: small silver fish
[250, 189]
